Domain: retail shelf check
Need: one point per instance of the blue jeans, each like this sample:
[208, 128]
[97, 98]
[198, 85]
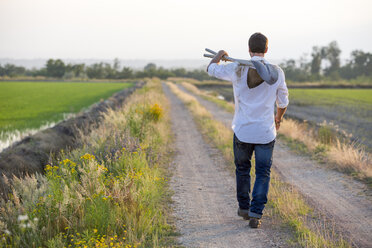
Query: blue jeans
[242, 158]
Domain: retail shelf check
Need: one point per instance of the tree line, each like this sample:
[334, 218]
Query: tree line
[325, 63]
[58, 69]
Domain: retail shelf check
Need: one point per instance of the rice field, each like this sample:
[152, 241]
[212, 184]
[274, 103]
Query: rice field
[332, 96]
[31, 105]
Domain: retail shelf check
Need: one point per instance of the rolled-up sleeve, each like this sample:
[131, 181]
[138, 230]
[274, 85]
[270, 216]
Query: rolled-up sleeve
[223, 72]
[282, 93]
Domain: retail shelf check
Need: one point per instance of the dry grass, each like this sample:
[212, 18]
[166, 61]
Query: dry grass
[292, 129]
[351, 158]
[192, 88]
[228, 106]
[343, 156]
[285, 203]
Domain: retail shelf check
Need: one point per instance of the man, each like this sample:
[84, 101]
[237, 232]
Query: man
[254, 123]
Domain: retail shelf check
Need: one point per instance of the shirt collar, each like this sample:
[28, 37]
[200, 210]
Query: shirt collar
[258, 58]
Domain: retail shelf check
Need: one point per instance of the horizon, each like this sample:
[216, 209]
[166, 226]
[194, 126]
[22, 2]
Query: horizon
[172, 30]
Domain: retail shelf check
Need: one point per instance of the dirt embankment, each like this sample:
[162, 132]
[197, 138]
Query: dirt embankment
[31, 154]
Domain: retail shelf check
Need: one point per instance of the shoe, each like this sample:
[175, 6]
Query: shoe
[254, 222]
[243, 213]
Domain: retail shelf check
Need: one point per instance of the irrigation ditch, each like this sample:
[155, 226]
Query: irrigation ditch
[32, 153]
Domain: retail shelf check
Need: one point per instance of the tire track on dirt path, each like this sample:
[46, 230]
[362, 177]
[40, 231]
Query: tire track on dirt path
[339, 198]
[204, 191]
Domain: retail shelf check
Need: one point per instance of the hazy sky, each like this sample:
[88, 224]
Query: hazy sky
[178, 29]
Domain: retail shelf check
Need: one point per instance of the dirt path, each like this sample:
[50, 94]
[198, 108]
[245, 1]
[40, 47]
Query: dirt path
[205, 201]
[341, 199]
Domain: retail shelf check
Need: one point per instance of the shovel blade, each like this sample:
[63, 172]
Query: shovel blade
[268, 72]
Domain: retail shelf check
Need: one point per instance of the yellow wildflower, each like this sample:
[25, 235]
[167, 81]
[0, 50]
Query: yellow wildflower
[88, 156]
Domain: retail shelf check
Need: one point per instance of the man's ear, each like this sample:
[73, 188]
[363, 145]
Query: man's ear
[266, 49]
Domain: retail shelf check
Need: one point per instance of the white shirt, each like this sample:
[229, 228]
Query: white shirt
[254, 108]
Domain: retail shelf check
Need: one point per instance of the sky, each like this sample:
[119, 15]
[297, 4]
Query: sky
[178, 29]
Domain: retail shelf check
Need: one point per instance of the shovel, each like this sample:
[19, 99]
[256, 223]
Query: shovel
[258, 71]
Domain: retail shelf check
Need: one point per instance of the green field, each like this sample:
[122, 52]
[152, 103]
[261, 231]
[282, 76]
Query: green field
[331, 96]
[25, 105]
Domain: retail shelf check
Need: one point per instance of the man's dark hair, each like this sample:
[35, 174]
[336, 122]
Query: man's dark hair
[257, 43]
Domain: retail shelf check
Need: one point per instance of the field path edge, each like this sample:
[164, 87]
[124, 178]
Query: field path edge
[204, 198]
[342, 200]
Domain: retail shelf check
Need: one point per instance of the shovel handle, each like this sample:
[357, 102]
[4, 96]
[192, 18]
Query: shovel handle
[210, 51]
[208, 55]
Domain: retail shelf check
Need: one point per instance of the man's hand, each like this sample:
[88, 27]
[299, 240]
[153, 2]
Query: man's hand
[222, 53]
[279, 116]
[277, 122]
[217, 58]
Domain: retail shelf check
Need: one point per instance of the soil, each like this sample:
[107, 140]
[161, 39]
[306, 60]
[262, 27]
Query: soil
[344, 202]
[204, 198]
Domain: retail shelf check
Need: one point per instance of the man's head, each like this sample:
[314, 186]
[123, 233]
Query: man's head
[257, 44]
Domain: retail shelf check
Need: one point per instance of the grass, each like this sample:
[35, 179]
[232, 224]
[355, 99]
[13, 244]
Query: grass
[29, 105]
[332, 96]
[228, 106]
[111, 192]
[285, 203]
[324, 146]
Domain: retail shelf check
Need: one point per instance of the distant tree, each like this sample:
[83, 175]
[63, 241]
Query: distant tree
[360, 64]
[125, 73]
[78, 69]
[2, 71]
[55, 68]
[42, 72]
[179, 72]
[110, 72]
[116, 65]
[299, 71]
[316, 62]
[12, 70]
[198, 74]
[163, 73]
[69, 75]
[96, 70]
[150, 67]
[332, 54]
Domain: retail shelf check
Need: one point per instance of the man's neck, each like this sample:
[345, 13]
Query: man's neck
[257, 54]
